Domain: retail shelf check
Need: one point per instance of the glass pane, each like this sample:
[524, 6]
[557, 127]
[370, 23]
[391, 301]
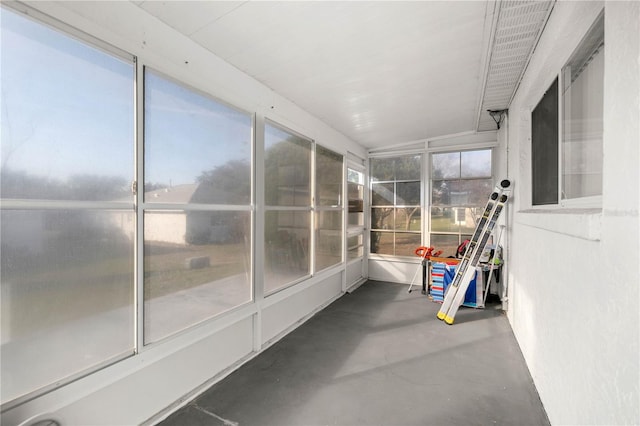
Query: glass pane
[408, 168]
[287, 168]
[67, 117]
[468, 218]
[544, 148]
[583, 100]
[447, 243]
[460, 192]
[67, 294]
[356, 191]
[356, 219]
[328, 239]
[287, 236]
[469, 192]
[445, 165]
[356, 197]
[475, 164]
[382, 242]
[382, 218]
[356, 204]
[456, 202]
[196, 149]
[382, 194]
[444, 219]
[476, 191]
[408, 193]
[459, 195]
[354, 176]
[406, 244]
[328, 177]
[408, 219]
[382, 169]
[355, 247]
[440, 192]
[196, 265]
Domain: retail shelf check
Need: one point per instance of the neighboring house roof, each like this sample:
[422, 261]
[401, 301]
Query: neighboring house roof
[204, 193]
[176, 194]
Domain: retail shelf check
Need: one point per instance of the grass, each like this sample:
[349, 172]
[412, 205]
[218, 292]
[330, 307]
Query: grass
[64, 286]
[166, 273]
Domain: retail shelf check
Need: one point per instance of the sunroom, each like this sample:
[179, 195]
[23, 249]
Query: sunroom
[184, 184]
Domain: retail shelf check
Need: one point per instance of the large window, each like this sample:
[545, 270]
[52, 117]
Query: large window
[120, 229]
[67, 218]
[396, 214]
[328, 208]
[544, 148]
[295, 206]
[460, 185]
[567, 129]
[355, 230]
[197, 198]
[582, 124]
[287, 186]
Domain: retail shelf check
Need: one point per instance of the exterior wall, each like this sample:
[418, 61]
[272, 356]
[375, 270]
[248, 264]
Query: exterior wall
[395, 270]
[167, 227]
[168, 372]
[573, 273]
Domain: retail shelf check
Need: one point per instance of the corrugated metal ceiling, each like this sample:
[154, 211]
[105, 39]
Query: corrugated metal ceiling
[517, 29]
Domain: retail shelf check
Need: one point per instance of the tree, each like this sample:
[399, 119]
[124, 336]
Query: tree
[228, 183]
[287, 168]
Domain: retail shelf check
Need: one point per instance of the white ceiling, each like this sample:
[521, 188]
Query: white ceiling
[380, 72]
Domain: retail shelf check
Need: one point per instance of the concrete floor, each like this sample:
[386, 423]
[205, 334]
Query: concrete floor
[379, 356]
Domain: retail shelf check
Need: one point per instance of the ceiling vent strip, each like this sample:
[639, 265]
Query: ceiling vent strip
[516, 33]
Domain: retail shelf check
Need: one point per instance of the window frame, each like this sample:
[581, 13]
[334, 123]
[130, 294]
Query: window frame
[314, 208]
[318, 207]
[356, 230]
[35, 16]
[459, 150]
[271, 208]
[145, 206]
[371, 206]
[586, 202]
[592, 201]
[556, 103]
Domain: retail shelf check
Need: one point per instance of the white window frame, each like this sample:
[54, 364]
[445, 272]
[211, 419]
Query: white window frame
[153, 207]
[40, 18]
[478, 147]
[355, 230]
[369, 189]
[580, 202]
[589, 202]
[309, 209]
[317, 208]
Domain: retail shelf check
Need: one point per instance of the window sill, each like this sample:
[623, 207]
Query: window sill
[584, 223]
[394, 258]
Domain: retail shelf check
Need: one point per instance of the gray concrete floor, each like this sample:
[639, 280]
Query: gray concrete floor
[379, 356]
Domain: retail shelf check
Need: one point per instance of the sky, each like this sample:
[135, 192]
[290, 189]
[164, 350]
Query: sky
[67, 109]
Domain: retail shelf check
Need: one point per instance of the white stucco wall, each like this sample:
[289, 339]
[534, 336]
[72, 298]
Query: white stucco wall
[574, 274]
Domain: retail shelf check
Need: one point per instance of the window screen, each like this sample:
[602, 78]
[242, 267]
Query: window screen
[544, 148]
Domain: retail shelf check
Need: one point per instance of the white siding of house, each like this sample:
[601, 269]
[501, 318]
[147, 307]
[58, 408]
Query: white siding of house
[166, 227]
